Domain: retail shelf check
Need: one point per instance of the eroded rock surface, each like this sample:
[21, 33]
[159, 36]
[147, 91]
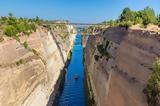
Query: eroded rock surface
[28, 78]
[120, 79]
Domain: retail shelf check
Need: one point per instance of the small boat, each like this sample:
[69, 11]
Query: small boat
[76, 77]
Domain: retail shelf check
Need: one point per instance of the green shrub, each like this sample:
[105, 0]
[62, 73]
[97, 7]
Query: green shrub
[129, 17]
[48, 26]
[25, 44]
[103, 50]
[35, 52]
[33, 27]
[10, 31]
[21, 61]
[17, 38]
[27, 33]
[148, 16]
[16, 26]
[21, 27]
[69, 55]
[1, 38]
[138, 20]
[152, 90]
[158, 20]
[126, 24]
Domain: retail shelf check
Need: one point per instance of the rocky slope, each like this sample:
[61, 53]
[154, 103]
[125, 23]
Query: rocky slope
[118, 64]
[27, 78]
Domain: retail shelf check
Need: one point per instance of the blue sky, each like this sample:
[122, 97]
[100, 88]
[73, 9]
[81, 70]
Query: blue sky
[87, 11]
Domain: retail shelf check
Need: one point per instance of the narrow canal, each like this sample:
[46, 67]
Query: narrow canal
[73, 93]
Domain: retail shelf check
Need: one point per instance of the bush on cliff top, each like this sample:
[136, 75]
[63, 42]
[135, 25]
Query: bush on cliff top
[158, 18]
[129, 17]
[16, 26]
[10, 31]
[152, 90]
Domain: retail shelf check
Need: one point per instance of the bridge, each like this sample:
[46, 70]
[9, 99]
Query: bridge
[93, 31]
[77, 24]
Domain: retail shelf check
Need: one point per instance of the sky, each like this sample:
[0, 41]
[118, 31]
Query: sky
[84, 11]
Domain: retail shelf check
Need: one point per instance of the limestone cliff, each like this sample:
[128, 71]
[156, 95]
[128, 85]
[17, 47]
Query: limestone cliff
[118, 64]
[28, 77]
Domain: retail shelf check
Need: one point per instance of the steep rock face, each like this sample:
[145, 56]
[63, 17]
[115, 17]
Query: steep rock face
[28, 77]
[120, 80]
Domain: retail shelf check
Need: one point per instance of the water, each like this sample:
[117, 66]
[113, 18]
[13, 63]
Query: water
[73, 93]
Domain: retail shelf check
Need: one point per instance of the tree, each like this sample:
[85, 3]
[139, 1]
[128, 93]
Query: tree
[127, 15]
[148, 16]
[158, 20]
[138, 20]
[10, 14]
[126, 24]
[111, 23]
[37, 20]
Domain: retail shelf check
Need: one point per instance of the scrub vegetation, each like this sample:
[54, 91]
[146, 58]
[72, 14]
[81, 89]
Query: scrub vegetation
[152, 89]
[128, 18]
[102, 49]
[15, 27]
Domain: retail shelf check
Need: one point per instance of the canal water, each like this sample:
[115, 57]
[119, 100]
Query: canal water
[73, 92]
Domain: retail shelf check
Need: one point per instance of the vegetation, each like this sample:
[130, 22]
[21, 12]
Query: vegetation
[69, 55]
[25, 44]
[153, 87]
[158, 19]
[102, 49]
[35, 52]
[129, 18]
[15, 27]
[10, 31]
[96, 57]
[21, 61]
[1, 38]
[61, 30]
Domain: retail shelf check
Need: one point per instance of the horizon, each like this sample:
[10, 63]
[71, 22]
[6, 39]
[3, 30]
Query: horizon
[74, 11]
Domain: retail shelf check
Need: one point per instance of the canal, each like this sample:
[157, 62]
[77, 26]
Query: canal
[73, 92]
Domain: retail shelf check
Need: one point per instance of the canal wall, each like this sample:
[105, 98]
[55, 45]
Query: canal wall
[118, 64]
[27, 78]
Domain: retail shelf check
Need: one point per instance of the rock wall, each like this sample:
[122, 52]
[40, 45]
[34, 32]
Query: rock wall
[120, 79]
[27, 78]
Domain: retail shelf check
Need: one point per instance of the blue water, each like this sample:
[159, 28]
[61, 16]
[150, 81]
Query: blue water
[73, 93]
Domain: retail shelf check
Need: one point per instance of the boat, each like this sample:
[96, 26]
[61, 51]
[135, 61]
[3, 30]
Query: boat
[76, 77]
